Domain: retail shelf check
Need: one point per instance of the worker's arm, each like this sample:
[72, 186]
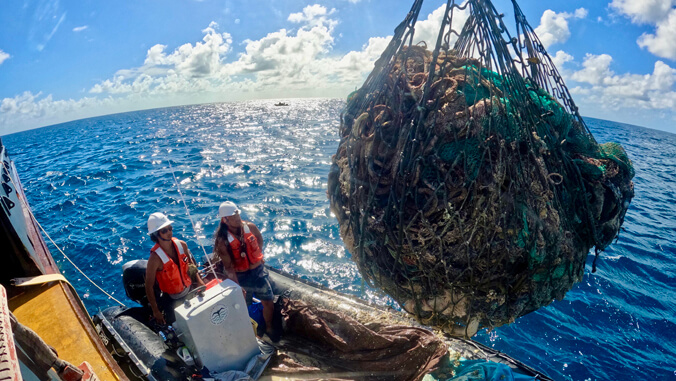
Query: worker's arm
[154, 264]
[191, 261]
[258, 235]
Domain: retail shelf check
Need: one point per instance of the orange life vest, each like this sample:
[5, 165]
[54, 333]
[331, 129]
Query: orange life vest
[170, 278]
[253, 255]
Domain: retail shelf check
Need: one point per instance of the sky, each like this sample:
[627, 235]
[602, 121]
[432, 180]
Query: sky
[67, 60]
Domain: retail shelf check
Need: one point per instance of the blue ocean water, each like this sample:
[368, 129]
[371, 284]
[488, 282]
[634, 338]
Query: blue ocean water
[92, 184]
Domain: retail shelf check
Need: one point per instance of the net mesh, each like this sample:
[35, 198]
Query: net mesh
[466, 184]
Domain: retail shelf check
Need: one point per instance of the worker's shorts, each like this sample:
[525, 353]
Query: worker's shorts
[255, 282]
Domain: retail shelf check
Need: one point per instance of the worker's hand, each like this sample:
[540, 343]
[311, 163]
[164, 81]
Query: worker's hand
[159, 317]
[194, 274]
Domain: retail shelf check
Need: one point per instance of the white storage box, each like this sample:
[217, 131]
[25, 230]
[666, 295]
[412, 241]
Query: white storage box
[216, 328]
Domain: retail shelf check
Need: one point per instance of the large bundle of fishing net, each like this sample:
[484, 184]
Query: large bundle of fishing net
[466, 184]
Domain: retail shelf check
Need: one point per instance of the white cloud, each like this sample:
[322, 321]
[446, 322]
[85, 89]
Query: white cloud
[313, 15]
[32, 110]
[554, 28]
[155, 55]
[199, 60]
[596, 69]
[428, 30]
[663, 42]
[80, 28]
[189, 68]
[283, 53]
[297, 62]
[204, 58]
[115, 86]
[658, 13]
[561, 58]
[352, 68]
[286, 59]
[581, 13]
[599, 89]
[644, 11]
[3, 56]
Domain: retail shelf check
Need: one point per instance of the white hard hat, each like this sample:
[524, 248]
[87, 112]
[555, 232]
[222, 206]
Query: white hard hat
[227, 209]
[157, 221]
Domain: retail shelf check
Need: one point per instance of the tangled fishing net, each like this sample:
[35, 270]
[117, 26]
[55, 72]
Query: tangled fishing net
[466, 184]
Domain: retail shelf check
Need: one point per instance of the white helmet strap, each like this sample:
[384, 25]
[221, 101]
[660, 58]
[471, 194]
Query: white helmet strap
[159, 236]
[163, 256]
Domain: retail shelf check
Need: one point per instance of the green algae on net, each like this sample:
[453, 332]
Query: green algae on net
[470, 194]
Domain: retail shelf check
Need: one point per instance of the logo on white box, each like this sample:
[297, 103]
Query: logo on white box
[218, 313]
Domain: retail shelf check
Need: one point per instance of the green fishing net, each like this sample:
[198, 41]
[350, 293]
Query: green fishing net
[466, 184]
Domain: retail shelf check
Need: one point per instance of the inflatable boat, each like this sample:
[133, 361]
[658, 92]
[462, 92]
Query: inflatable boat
[182, 351]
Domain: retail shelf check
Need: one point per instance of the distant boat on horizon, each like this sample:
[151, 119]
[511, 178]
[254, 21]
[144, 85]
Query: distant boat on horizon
[281, 104]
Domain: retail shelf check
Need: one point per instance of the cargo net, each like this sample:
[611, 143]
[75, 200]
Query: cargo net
[466, 184]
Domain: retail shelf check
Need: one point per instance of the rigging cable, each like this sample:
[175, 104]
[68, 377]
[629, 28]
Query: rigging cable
[191, 221]
[58, 248]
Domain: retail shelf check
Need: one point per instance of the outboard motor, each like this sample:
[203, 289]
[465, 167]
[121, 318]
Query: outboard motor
[134, 280]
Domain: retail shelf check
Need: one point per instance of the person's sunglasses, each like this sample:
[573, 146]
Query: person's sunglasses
[236, 214]
[165, 230]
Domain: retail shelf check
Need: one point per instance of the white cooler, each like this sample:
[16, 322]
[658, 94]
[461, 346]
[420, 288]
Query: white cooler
[216, 328]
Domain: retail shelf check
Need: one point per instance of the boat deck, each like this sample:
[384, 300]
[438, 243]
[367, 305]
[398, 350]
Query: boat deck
[47, 310]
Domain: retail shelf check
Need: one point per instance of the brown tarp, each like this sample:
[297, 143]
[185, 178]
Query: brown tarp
[318, 341]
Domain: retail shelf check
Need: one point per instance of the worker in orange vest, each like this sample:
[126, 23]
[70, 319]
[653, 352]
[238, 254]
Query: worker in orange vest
[168, 264]
[239, 245]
